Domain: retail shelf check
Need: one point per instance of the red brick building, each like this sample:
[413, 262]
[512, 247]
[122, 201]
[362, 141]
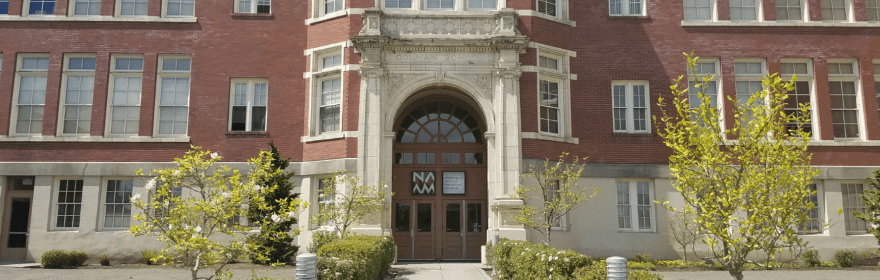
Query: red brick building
[461, 93]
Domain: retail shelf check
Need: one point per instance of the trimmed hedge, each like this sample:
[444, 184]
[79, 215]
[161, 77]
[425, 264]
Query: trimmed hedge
[63, 259]
[356, 257]
[516, 259]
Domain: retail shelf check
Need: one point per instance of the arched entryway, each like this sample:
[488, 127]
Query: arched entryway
[440, 201]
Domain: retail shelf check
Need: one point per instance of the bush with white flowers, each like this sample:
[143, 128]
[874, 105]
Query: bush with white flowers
[517, 259]
[206, 205]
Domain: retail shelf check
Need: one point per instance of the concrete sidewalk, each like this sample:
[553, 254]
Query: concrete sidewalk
[440, 271]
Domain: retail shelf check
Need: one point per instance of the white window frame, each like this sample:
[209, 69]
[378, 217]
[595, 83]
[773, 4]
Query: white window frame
[748, 77]
[26, 5]
[165, 10]
[62, 99]
[319, 201]
[552, 192]
[876, 82]
[118, 10]
[719, 91]
[319, 10]
[56, 192]
[558, 8]
[805, 12]
[876, 11]
[111, 85]
[759, 12]
[632, 185]
[630, 106]
[20, 73]
[625, 8]
[316, 77]
[102, 214]
[467, 6]
[847, 209]
[71, 9]
[562, 77]
[456, 5]
[319, 84]
[810, 79]
[848, 10]
[713, 12]
[820, 208]
[253, 7]
[251, 90]
[855, 79]
[160, 73]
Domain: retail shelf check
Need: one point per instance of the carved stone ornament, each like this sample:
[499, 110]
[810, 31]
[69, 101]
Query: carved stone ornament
[396, 80]
[371, 72]
[508, 73]
[484, 82]
[439, 76]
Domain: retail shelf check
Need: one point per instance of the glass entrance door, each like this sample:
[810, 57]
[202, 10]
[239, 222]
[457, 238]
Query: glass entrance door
[423, 234]
[453, 233]
[403, 230]
[16, 219]
[475, 231]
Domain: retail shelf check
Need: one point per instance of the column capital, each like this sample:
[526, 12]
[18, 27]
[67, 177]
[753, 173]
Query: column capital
[508, 72]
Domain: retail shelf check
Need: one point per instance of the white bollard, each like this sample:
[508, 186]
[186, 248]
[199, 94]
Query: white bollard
[307, 267]
[616, 268]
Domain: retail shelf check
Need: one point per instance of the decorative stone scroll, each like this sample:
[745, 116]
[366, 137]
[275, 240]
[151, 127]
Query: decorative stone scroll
[396, 80]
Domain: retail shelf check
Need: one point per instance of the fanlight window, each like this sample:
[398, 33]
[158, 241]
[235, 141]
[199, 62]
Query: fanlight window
[439, 122]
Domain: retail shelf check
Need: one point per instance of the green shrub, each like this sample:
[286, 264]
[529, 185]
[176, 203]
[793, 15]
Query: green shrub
[845, 257]
[643, 257]
[360, 257]
[490, 254]
[597, 271]
[681, 264]
[811, 258]
[149, 255]
[320, 238]
[62, 259]
[516, 259]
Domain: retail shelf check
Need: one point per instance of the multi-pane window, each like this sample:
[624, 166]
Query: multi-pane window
[330, 61]
[852, 201]
[41, 7]
[802, 92]
[79, 86]
[254, 6]
[174, 78]
[133, 8]
[126, 74]
[402, 4]
[873, 10]
[549, 107]
[31, 94]
[552, 194]
[790, 10]
[329, 111]
[748, 81]
[814, 224]
[744, 9]
[332, 6]
[548, 62]
[842, 78]
[180, 8]
[87, 7]
[481, 4]
[698, 9]
[547, 7]
[4, 7]
[625, 7]
[117, 204]
[441, 4]
[630, 106]
[325, 195]
[876, 84]
[69, 203]
[834, 10]
[249, 101]
[703, 69]
[634, 208]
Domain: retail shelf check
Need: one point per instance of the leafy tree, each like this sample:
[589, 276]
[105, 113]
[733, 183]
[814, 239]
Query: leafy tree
[274, 243]
[746, 184]
[349, 202]
[189, 221]
[684, 231]
[557, 193]
[871, 198]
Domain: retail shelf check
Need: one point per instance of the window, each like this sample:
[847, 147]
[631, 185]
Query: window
[325, 195]
[180, 8]
[330, 61]
[30, 96]
[814, 224]
[744, 9]
[117, 204]
[327, 86]
[399, 4]
[78, 86]
[625, 8]
[86, 7]
[332, 6]
[172, 198]
[630, 101]
[174, 80]
[248, 110]
[553, 88]
[853, 202]
[552, 193]
[703, 69]
[40, 7]
[547, 7]
[548, 63]
[842, 79]
[440, 4]
[254, 6]
[702, 10]
[748, 76]
[331, 95]
[802, 92]
[873, 10]
[69, 203]
[4, 7]
[876, 83]
[634, 197]
[549, 107]
[481, 4]
[834, 10]
[126, 75]
[790, 10]
[132, 7]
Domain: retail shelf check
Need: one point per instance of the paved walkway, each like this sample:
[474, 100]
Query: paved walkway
[775, 275]
[440, 271]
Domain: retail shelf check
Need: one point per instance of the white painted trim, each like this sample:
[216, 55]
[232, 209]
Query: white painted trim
[108, 122]
[329, 136]
[136, 139]
[19, 73]
[249, 99]
[630, 106]
[541, 136]
[237, 5]
[857, 84]
[343, 44]
[62, 98]
[779, 23]
[165, 11]
[533, 13]
[71, 9]
[160, 74]
[100, 18]
[102, 202]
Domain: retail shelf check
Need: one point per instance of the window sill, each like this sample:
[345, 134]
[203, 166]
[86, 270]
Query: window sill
[99, 19]
[246, 134]
[629, 17]
[333, 15]
[252, 16]
[632, 134]
[329, 136]
[134, 139]
[533, 13]
[633, 231]
[541, 136]
[833, 143]
[685, 23]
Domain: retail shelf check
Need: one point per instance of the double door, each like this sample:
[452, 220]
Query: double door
[440, 229]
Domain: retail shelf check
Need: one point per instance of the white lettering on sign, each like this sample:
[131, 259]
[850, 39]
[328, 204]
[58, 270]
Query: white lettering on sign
[428, 57]
[453, 182]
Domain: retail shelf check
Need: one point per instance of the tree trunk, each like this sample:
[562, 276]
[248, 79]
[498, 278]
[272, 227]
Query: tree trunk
[737, 274]
[195, 269]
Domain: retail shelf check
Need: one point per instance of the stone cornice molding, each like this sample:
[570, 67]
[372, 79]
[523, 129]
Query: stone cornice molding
[371, 72]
